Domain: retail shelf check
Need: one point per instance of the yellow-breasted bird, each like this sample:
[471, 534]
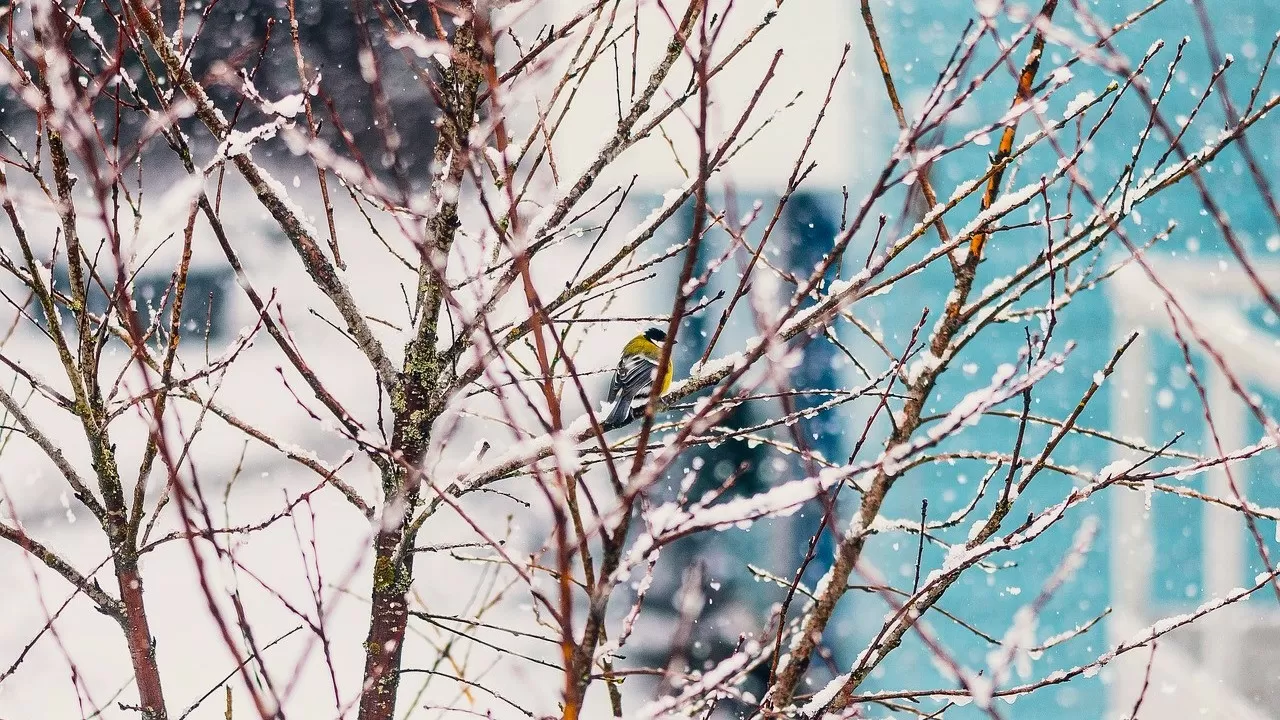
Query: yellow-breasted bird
[633, 380]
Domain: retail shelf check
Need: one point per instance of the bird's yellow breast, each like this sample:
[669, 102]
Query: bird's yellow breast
[666, 381]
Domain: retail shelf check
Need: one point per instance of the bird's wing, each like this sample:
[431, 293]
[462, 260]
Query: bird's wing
[632, 382]
[614, 383]
[634, 375]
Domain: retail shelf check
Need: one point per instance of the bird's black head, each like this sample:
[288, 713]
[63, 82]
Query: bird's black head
[656, 336]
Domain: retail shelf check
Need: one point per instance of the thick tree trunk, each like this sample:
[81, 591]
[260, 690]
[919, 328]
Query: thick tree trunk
[419, 404]
[142, 649]
[388, 617]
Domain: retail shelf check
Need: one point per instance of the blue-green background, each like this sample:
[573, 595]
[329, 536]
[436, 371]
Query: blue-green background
[919, 35]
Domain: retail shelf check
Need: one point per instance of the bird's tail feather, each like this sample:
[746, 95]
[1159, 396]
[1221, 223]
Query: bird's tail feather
[619, 414]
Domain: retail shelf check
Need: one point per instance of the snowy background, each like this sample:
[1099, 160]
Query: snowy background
[1153, 560]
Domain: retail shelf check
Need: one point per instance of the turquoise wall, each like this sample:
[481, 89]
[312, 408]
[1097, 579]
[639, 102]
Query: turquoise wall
[920, 34]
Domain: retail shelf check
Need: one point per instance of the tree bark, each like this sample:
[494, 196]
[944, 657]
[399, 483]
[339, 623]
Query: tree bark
[142, 649]
[387, 620]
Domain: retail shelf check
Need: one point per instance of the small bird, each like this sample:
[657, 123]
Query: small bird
[633, 380]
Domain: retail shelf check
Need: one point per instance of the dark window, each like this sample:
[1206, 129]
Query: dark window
[203, 304]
